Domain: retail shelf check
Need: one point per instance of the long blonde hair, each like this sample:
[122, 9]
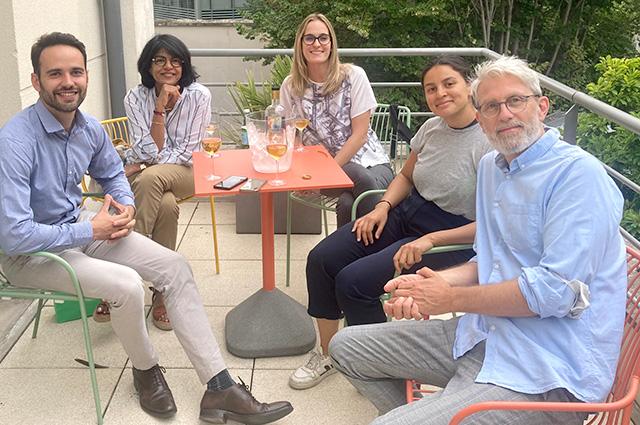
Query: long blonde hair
[299, 76]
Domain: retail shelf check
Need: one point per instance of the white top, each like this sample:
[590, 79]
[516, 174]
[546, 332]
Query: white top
[330, 116]
[446, 169]
[185, 125]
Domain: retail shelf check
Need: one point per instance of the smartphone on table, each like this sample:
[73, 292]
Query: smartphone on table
[252, 185]
[230, 182]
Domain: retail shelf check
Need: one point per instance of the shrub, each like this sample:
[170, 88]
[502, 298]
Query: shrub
[619, 86]
[253, 97]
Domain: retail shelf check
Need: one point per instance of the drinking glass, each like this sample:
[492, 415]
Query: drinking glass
[210, 145]
[301, 123]
[277, 148]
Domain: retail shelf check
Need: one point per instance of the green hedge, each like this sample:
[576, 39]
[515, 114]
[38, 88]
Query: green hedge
[619, 86]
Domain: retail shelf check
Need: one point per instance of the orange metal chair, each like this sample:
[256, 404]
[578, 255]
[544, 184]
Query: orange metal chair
[118, 131]
[617, 407]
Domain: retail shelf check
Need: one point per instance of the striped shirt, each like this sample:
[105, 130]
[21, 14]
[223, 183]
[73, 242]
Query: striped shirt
[184, 125]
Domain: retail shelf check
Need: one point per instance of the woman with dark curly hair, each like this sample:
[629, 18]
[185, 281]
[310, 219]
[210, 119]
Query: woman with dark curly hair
[431, 202]
[168, 114]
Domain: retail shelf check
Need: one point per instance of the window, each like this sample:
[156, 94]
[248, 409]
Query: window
[197, 9]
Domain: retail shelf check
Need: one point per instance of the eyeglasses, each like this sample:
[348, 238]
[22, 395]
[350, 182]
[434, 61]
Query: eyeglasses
[514, 104]
[323, 39]
[162, 61]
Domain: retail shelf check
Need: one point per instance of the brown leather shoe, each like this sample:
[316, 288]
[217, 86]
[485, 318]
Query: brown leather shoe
[155, 396]
[237, 403]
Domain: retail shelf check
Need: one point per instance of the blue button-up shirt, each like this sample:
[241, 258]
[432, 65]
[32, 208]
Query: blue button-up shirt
[550, 219]
[41, 166]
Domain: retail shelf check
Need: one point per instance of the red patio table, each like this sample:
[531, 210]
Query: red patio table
[269, 323]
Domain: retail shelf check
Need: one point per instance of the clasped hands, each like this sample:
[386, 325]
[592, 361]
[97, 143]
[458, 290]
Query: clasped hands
[414, 296]
[111, 227]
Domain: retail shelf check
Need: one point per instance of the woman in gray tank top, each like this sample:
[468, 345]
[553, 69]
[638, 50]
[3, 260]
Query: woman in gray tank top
[434, 192]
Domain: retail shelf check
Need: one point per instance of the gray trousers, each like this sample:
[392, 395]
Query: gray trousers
[376, 177]
[114, 271]
[377, 359]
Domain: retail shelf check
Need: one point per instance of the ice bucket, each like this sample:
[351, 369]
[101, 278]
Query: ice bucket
[258, 139]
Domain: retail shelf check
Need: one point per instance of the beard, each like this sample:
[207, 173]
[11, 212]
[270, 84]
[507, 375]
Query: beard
[50, 99]
[509, 144]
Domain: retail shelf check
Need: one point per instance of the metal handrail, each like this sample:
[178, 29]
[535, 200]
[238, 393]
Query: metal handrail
[626, 120]
[577, 97]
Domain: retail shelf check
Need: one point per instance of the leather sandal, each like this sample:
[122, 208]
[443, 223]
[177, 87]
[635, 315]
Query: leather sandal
[159, 313]
[102, 313]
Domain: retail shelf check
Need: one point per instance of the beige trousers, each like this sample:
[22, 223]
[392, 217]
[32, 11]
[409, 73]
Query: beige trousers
[157, 190]
[114, 271]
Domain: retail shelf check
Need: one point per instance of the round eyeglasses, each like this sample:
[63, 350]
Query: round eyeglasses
[323, 39]
[162, 61]
[514, 104]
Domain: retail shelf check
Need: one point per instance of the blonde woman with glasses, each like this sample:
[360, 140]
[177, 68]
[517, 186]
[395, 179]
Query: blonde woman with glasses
[338, 100]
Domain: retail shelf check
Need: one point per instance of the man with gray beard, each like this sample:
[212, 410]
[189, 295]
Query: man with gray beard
[544, 297]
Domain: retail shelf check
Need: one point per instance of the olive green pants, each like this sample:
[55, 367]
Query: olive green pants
[157, 190]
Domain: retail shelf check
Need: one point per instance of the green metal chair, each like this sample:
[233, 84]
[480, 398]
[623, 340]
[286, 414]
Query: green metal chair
[42, 295]
[398, 151]
[434, 250]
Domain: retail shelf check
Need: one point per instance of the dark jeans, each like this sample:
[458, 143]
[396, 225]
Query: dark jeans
[376, 177]
[345, 276]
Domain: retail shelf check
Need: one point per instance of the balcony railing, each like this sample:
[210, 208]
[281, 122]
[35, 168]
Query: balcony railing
[577, 98]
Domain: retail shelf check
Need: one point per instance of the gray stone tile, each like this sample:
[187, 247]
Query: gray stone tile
[58, 344]
[15, 315]
[182, 228]
[53, 396]
[225, 211]
[233, 246]
[333, 401]
[240, 279]
[172, 355]
[186, 211]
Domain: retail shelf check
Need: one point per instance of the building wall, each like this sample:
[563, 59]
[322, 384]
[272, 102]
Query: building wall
[221, 35]
[22, 22]
[137, 29]
[9, 76]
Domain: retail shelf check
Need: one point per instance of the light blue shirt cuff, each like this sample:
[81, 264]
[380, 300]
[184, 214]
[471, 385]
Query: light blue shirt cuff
[126, 200]
[82, 232]
[550, 295]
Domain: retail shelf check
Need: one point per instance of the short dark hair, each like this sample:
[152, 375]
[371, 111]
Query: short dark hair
[176, 48]
[54, 39]
[457, 63]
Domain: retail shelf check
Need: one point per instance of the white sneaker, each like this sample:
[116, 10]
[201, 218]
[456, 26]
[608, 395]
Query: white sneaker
[317, 368]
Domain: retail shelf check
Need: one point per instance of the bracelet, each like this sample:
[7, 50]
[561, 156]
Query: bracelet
[158, 113]
[384, 200]
[157, 122]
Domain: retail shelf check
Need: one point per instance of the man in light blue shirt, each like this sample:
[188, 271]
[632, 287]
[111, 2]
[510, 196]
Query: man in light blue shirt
[544, 297]
[44, 152]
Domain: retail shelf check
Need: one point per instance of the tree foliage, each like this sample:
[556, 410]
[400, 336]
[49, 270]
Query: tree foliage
[619, 86]
[563, 38]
